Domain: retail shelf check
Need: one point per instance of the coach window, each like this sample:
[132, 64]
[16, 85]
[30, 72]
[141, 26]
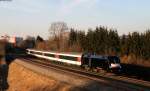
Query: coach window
[38, 53]
[68, 58]
[49, 55]
[31, 52]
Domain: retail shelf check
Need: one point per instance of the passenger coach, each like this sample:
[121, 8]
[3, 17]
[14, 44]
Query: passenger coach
[53, 56]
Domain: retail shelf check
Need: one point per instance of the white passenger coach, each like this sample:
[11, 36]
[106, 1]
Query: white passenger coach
[53, 56]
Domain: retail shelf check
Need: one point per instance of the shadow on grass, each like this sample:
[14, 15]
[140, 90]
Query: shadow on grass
[135, 71]
[91, 86]
[4, 68]
[3, 77]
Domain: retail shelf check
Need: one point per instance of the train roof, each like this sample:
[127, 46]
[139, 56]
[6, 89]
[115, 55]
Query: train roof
[95, 56]
[100, 56]
[74, 54]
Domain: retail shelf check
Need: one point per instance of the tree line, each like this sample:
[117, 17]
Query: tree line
[108, 42]
[133, 48]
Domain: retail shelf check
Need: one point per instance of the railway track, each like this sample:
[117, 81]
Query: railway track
[117, 83]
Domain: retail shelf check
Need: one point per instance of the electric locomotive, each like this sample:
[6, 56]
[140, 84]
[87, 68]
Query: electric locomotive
[109, 63]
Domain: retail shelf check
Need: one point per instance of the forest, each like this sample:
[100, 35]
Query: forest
[133, 48]
[107, 41]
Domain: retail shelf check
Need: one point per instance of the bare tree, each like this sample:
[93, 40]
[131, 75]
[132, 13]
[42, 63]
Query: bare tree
[56, 32]
[57, 28]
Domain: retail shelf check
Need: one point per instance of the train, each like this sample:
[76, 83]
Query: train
[85, 60]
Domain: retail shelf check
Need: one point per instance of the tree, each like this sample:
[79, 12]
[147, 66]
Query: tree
[89, 41]
[100, 40]
[29, 42]
[56, 32]
[40, 43]
[72, 37]
[145, 50]
[113, 41]
[136, 44]
[39, 39]
[57, 28]
[81, 40]
[123, 45]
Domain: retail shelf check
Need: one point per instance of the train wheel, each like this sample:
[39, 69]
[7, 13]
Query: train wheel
[93, 69]
[98, 69]
[86, 67]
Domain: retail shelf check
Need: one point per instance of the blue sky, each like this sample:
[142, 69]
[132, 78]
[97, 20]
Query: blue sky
[33, 17]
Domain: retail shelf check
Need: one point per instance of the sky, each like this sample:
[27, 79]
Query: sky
[34, 17]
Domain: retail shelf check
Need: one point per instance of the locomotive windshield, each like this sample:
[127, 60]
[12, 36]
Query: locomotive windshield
[114, 59]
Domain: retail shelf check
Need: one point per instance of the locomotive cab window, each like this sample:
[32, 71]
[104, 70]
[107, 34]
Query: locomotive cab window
[114, 59]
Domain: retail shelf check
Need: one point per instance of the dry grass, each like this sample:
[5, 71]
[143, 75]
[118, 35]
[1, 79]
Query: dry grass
[22, 79]
[131, 59]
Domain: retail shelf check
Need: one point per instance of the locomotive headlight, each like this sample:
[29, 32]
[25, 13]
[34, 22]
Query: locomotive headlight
[115, 65]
